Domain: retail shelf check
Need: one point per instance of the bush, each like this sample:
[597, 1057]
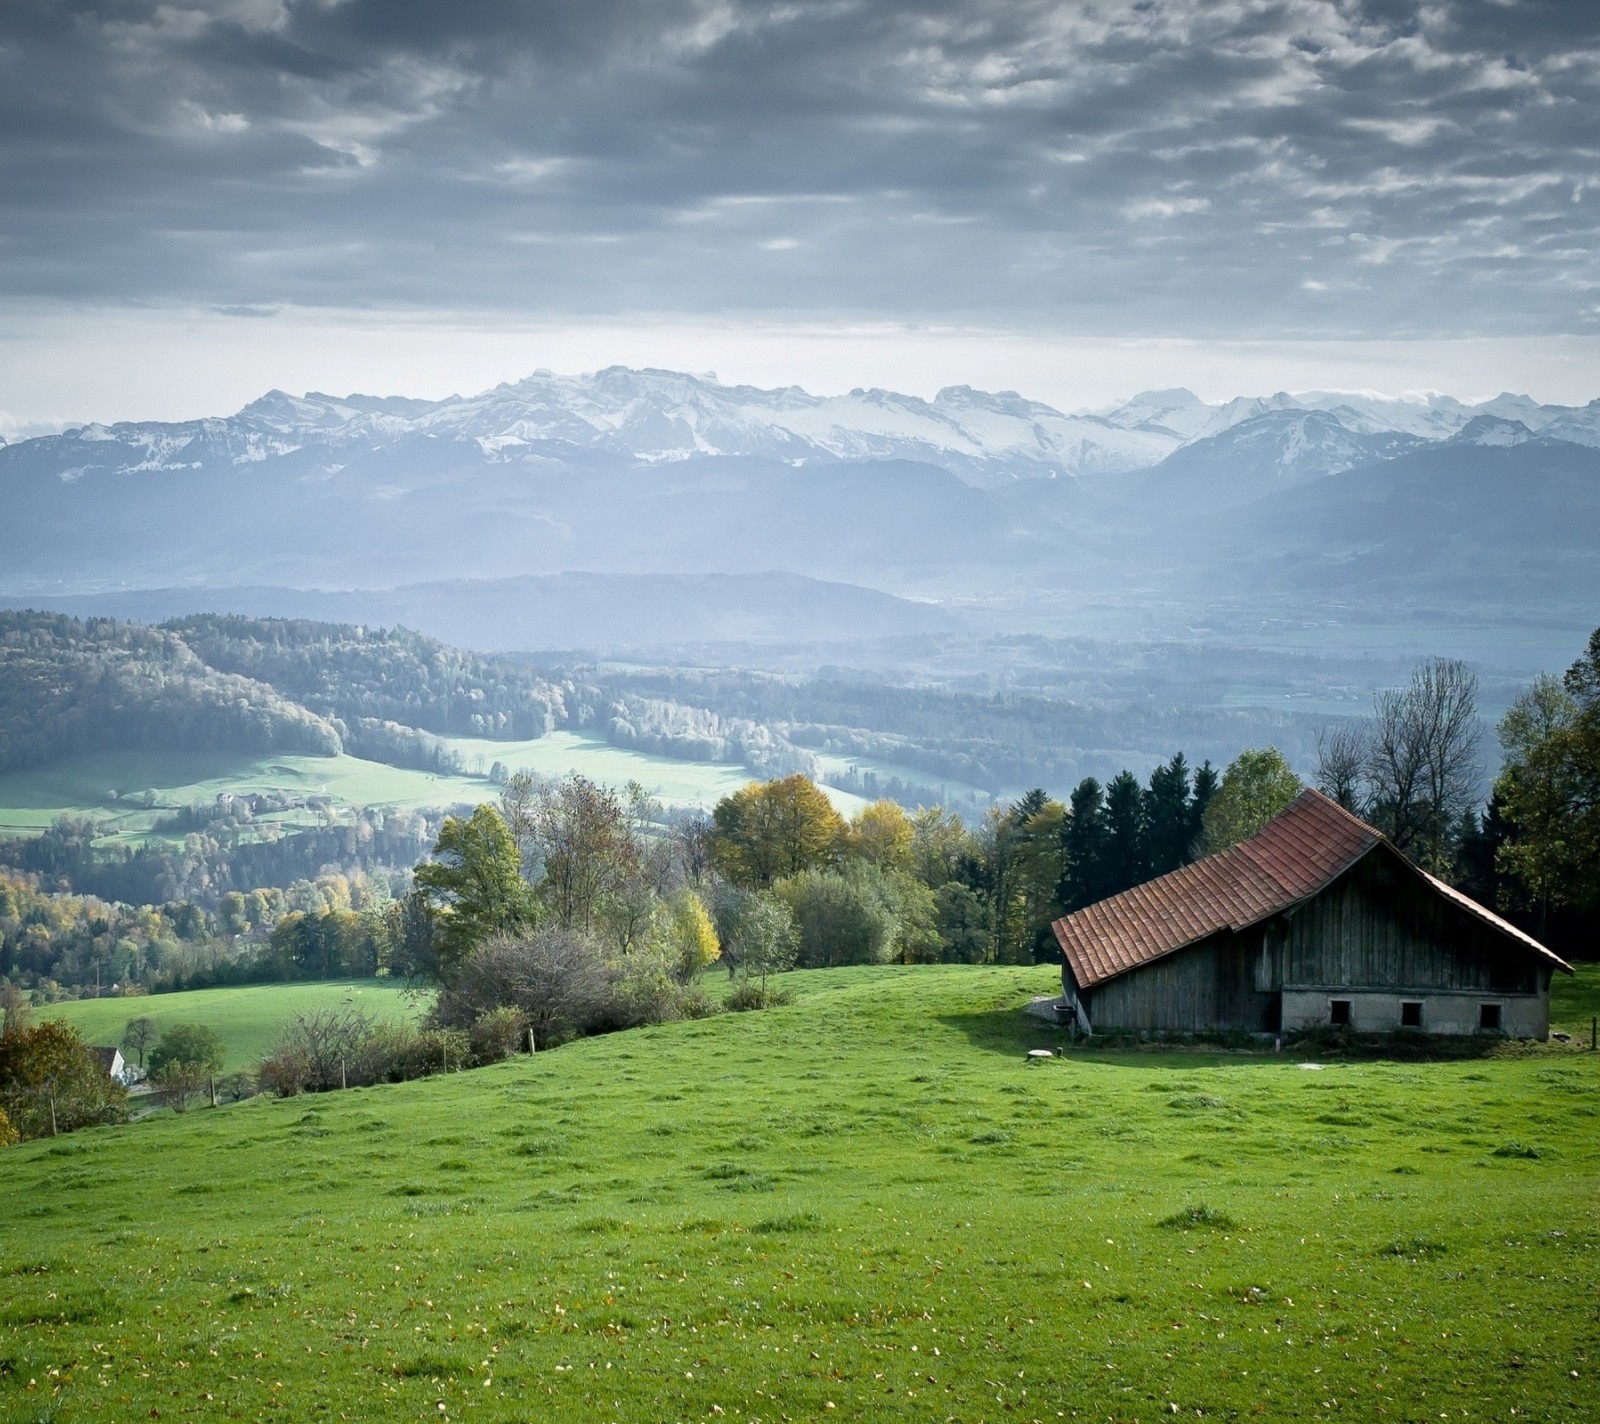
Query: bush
[51, 1082]
[8, 1134]
[755, 994]
[236, 1087]
[496, 1035]
[180, 1083]
[324, 1045]
[285, 1071]
[322, 1051]
[558, 980]
[646, 988]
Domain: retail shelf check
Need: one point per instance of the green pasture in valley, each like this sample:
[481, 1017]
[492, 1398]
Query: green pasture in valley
[866, 1205]
[112, 787]
[677, 783]
[246, 1017]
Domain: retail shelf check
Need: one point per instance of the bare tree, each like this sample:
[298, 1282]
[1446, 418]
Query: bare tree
[1342, 763]
[558, 980]
[1422, 759]
[138, 1034]
[692, 840]
[325, 1041]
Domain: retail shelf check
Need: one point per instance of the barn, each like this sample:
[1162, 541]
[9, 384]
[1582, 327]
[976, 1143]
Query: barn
[1316, 921]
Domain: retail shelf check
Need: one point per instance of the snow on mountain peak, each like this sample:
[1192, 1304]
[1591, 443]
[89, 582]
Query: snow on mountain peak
[656, 415]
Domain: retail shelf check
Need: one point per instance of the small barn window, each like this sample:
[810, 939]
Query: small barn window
[1339, 1013]
[1410, 1013]
[1489, 1016]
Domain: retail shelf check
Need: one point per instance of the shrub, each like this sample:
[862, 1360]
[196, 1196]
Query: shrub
[51, 1082]
[8, 1134]
[496, 1035]
[325, 1044]
[557, 979]
[180, 1083]
[1200, 1216]
[753, 994]
[285, 1071]
[236, 1087]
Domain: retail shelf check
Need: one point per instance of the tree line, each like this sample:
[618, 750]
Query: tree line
[393, 675]
[69, 685]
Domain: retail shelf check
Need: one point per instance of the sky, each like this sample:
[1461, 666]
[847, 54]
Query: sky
[204, 199]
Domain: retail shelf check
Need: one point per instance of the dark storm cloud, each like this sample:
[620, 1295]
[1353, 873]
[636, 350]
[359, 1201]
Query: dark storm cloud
[1204, 167]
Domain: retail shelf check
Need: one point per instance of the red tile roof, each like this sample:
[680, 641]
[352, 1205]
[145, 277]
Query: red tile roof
[1295, 855]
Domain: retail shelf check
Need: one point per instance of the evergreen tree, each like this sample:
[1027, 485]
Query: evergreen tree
[1206, 782]
[1125, 861]
[1167, 834]
[1083, 847]
[1478, 843]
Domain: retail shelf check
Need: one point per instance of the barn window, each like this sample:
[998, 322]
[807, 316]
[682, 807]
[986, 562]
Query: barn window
[1339, 1013]
[1410, 1013]
[1489, 1016]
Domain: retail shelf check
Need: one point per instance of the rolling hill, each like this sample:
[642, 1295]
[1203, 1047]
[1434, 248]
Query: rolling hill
[866, 1204]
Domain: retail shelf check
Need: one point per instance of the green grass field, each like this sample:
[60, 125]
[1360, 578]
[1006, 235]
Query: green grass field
[863, 1206]
[84, 785]
[246, 1018]
[677, 783]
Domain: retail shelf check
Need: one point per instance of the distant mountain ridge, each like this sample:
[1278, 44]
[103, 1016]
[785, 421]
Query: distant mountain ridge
[658, 417]
[648, 508]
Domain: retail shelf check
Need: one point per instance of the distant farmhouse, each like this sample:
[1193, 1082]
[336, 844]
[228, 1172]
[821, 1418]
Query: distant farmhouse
[1317, 921]
[111, 1064]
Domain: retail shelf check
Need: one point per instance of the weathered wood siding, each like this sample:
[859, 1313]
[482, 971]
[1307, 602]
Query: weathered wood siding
[1381, 927]
[1377, 927]
[1208, 986]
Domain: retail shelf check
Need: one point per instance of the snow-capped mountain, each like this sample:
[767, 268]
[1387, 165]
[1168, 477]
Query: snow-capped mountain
[976, 497]
[658, 417]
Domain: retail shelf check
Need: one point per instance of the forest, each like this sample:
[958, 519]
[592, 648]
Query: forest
[394, 696]
[374, 676]
[68, 684]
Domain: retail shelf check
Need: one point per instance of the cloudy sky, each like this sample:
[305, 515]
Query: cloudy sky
[205, 198]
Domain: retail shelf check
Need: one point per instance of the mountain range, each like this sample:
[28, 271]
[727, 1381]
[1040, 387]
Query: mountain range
[989, 504]
[659, 416]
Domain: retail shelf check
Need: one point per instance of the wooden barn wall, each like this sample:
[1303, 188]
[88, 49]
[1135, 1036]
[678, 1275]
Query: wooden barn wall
[1210, 985]
[1379, 926]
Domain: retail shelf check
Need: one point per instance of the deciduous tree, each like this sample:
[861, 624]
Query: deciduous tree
[51, 1081]
[1422, 759]
[186, 1058]
[475, 885]
[1256, 786]
[774, 829]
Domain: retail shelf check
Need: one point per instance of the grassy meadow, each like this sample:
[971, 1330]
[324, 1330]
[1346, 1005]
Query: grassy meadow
[864, 1205]
[84, 785]
[103, 785]
[246, 1017]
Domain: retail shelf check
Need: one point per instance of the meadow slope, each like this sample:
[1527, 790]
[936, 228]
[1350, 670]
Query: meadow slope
[860, 1206]
[247, 1017]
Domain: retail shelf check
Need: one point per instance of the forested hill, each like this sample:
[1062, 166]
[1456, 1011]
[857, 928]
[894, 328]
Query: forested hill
[385, 675]
[67, 685]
